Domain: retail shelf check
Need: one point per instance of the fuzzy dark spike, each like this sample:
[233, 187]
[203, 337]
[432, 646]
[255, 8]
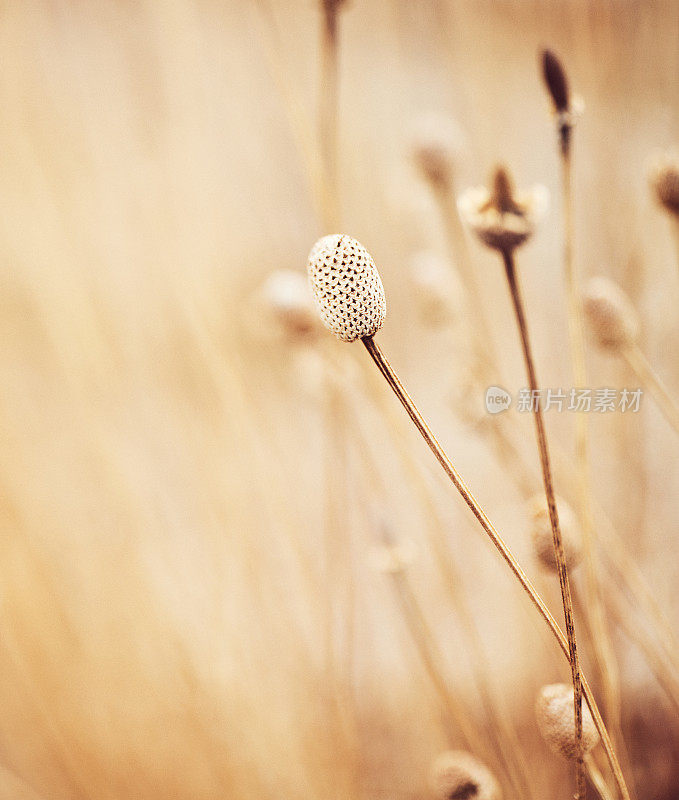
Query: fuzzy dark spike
[555, 80]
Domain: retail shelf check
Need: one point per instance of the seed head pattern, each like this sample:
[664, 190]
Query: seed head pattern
[554, 711]
[347, 287]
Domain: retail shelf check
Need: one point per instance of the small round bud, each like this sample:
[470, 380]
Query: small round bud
[664, 180]
[347, 287]
[457, 775]
[555, 79]
[556, 721]
[543, 540]
[286, 299]
[610, 315]
[435, 146]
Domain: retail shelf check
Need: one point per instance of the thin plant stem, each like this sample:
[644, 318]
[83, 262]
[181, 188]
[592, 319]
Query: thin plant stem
[411, 409]
[328, 110]
[504, 737]
[604, 657]
[596, 778]
[431, 658]
[553, 512]
[638, 363]
[300, 126]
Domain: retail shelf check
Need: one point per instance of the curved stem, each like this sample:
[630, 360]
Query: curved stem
[553, 513]
[392, 379]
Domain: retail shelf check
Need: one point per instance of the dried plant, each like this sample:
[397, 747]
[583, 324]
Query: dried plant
[457, 775]
[558, 87]
[336, 274]
[615, 326]
[503, 223]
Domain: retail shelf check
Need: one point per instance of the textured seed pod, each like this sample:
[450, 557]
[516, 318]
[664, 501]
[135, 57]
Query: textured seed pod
[610, 315]
[347, 287]
[436, 143]
[664, 180]
[501, 218]
[541, 533]
[556, 721]
[457, 775]
[287, 301]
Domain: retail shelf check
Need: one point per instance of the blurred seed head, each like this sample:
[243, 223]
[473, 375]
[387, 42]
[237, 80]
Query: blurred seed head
[347, 287]
[285, 298]
[555, 79]
[610, 315]
[664, 180]
[502, 218]
[436, 144]
[556, 721]
[457, 775]
[541, 533]
[436, 288]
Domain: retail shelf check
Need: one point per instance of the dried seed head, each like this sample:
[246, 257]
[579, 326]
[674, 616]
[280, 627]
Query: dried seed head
[347, 287]
[435, 146]
[457, 775]
[556, 721]
[287, 301]
[610, 314]
[664, 179]
[556, 81]
[503, 219]
[541, 533]
[437, 289]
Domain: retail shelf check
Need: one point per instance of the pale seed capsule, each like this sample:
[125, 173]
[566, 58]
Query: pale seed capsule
[501, 218]
[346, 287]
[287, 301]
[541, 533]
[610, 315]
[556, 721]
[436, 143]
[457, 775]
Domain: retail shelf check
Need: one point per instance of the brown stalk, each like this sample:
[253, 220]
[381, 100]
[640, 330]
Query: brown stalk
[328, 109]
[543, 448]
[601, 644]
[455, 478]
[503, 736]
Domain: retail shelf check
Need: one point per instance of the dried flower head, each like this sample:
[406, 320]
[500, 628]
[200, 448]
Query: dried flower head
[347, 287]
[457, 775]
[541, 533]
[611, 317]
[501, 218]
[436, 288]
[556, 721]
[436, 144]
[555, 80]
[287, 301]
[664, 180]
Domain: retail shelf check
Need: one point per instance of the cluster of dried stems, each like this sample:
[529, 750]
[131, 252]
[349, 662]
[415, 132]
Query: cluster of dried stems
[228, 565]
[511, 226]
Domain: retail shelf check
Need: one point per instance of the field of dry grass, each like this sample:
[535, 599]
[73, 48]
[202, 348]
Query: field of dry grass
[229, 567]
